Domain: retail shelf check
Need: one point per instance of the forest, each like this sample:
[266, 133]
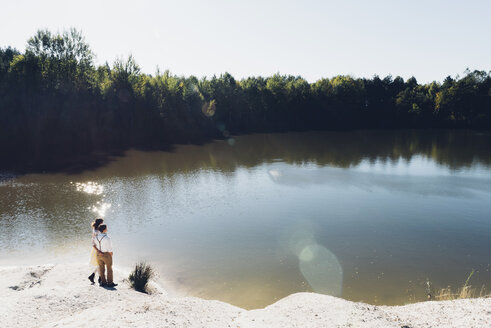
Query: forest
[57, 107]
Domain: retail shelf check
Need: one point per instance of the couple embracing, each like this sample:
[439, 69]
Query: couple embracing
[102, 254]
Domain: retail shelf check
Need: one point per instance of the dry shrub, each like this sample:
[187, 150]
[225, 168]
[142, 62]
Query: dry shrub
[140, 276]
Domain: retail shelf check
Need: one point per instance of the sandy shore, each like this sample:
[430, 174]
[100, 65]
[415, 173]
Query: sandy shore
[61, 296]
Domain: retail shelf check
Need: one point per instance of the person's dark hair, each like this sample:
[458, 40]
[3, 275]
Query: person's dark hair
[102, 227]
[97, 223]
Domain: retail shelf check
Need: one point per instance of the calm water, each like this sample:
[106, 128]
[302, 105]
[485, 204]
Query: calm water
[362, 215]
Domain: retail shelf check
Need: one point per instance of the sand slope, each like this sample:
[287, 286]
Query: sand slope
[61, 296]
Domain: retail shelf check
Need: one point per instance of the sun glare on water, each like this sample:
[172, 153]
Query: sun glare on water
[89, 187]
[93, 188]
[101, 208]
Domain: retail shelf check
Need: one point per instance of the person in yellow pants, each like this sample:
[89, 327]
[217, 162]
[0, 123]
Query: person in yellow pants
[105, 257]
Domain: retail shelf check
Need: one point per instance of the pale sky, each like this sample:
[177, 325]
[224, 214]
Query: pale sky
[429, 39]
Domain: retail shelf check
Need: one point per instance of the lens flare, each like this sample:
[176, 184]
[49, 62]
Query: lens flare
[322, 270]
[319, 266]
[300, 239]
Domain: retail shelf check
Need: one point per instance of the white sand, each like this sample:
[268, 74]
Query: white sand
[61, 296]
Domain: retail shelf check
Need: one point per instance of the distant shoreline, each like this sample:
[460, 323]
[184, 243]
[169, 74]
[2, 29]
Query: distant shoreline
[58, 106]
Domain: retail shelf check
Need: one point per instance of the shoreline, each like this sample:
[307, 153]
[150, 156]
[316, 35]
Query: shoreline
[59, 295]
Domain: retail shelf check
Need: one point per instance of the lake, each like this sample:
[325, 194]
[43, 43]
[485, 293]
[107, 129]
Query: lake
[365, 215]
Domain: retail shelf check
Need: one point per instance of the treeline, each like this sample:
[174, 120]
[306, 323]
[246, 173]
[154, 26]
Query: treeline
[56, 106]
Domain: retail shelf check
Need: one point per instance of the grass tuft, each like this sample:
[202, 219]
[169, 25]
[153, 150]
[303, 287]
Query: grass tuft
[466, 291]
[140, 277]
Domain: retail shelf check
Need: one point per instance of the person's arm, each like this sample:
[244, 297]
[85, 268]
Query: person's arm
[97, 250]
[94, 245]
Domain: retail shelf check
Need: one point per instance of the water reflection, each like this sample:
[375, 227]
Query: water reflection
[408, 176]
[365, 215]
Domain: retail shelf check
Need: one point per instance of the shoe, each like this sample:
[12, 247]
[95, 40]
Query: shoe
[102, 284]
[112, 284]
[99, 280]
[91, 277]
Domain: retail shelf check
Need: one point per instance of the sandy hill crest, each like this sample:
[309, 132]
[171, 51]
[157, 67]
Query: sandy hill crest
[60, 296]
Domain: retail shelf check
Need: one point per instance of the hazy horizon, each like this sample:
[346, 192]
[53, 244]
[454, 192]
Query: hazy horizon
[314, 39]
